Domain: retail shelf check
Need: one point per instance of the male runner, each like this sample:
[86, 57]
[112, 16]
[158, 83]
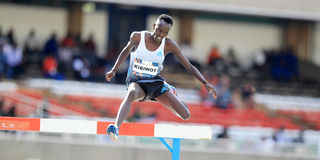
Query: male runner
[147, 51]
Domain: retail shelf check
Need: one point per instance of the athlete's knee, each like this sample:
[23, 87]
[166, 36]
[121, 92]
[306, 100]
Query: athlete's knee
[134, 91]
[134, 94]
[186, 115]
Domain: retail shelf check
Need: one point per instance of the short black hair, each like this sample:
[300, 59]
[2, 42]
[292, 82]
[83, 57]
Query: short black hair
[166, 18]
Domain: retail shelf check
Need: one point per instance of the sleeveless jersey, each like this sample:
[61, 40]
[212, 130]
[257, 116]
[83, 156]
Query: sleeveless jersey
[145, 65]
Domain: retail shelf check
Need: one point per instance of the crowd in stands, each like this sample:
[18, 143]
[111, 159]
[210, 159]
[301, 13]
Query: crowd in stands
[241, 97]
[68, 58]
[281, 65]
[272, 65]
[72, 57]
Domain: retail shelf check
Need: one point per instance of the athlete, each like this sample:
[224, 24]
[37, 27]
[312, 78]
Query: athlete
[147, 51]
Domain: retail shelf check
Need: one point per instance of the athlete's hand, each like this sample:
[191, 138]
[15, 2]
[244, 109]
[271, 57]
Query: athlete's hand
[110, 75]
[211, 89]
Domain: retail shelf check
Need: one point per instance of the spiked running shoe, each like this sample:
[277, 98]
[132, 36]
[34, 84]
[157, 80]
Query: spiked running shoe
[113, 132]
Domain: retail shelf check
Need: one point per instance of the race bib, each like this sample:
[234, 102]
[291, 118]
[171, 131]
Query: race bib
[145, 68]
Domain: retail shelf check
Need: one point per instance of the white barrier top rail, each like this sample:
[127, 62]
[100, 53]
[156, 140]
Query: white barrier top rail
[99, 127]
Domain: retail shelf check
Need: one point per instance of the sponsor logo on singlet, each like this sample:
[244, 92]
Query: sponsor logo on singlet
[159, 54]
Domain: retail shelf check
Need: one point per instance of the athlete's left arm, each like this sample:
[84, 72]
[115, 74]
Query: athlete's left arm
[173, 47]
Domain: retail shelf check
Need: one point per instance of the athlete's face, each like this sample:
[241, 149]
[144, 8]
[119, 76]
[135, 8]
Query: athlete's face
[160, 30]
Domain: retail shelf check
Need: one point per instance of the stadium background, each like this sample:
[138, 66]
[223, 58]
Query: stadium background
[252, 28]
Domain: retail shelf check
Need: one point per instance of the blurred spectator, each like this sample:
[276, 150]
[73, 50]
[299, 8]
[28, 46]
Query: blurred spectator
[224, 133]
[247, 93]
[259, 65]
[12, 111]
[223, 94]
[232, 63]
[259, 60]
[10, 38]
[89, 45]
[284, 65]
[78, 41]
[51, 46]
[65, 56]
[2, 58]
[89, 50]
[13, 56]
[77, 49]
[68, 41]
[300, 138]
[2, 113]
[236, 99]
[278, 67]
[215, 62]
[49, 65]
[214, 56]
[231, 58]
[292, 63]
[278, 135]
[49, 68]
[80, 68]
[31, 49]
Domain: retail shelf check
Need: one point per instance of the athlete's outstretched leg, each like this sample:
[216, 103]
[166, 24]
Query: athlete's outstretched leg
[171, 101]
[135, 92]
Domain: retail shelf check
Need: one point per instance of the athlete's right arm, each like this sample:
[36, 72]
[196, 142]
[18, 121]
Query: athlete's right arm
[133, 42]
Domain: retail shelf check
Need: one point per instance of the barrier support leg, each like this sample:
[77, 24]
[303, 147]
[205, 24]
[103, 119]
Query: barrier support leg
[175, 149]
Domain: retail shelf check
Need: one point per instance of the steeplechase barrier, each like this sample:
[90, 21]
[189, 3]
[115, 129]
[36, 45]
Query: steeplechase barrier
[159, 131]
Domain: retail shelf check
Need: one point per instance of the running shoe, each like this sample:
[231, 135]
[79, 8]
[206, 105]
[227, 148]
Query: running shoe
[113, 132]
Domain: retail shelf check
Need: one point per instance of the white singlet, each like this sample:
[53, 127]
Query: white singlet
[145, 65]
